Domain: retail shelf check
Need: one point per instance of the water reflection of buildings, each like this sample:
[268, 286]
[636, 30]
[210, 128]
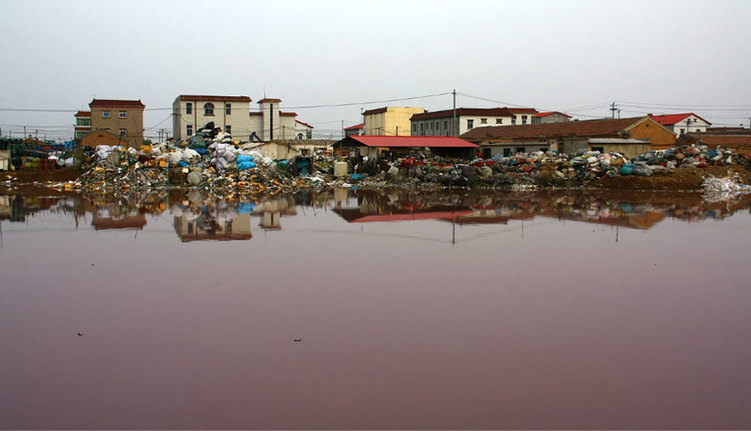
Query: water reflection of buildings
[205, 228]
[631, 210]
[137, 221]
[218, 220]
[271, 212]
[17, 207]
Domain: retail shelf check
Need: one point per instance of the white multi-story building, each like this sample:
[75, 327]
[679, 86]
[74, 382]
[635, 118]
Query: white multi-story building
[682, 123]
[233, 115]
[440, 123]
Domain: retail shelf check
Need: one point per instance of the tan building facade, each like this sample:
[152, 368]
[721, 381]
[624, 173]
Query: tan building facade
[102, 137]
[233, 115]
[191, 112]
[442, 123]
[123, 118]
[390, 121]
[629, 136]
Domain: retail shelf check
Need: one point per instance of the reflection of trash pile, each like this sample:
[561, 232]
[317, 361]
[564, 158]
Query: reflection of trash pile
[722, 189]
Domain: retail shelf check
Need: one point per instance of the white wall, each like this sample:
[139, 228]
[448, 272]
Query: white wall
[696, 125]
[443, 122]
[238, 117]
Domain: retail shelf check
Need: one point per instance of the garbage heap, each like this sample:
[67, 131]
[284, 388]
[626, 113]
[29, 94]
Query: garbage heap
[221, 164]
[521, 170]
[211, 159]
[527, 171]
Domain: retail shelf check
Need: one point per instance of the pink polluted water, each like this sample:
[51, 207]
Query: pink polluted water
[361, 310]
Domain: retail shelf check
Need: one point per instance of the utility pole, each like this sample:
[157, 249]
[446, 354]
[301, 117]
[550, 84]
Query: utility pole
[454, 128]
[342, 129]
[612, 110]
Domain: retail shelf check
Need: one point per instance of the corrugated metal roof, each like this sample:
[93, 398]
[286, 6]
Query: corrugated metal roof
[412, 141]
[618, 141]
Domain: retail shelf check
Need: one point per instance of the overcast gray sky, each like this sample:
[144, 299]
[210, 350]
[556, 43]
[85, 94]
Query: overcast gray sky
[573, 56]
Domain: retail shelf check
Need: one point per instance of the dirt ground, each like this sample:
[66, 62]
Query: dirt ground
[680, 179]
[26, 177]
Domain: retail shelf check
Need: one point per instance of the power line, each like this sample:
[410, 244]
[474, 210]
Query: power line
[694, 106]
[336, 105]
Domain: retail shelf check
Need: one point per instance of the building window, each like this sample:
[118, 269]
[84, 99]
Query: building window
[228, 129]
[524, 119]
[227, 109]
[123, 114]
[421, 127]
[470, 124]
[445, 124]
[483, 121]
[438, 125]
[414, 127]
[506, 152]
[189, 108]
[513, 120]
[105, 114]
[682, 130]
[520, 149]
[499, 121]
[83, 122]
[123, 132]
[431, 126]
[208, 109]
[189, 129]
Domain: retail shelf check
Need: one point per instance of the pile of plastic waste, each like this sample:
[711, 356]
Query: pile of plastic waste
[720, 189]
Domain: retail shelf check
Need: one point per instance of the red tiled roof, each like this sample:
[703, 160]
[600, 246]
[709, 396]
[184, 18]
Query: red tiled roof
[545, 114]
[268, 100]
[590, 128]
[209, 98]
[671, 119]
[114, 103]
[523, 110]
[83, 114]
[412, 141]
[374, 111]
[730, 141]
[355, 127]
[304, 124]
[434, 215]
